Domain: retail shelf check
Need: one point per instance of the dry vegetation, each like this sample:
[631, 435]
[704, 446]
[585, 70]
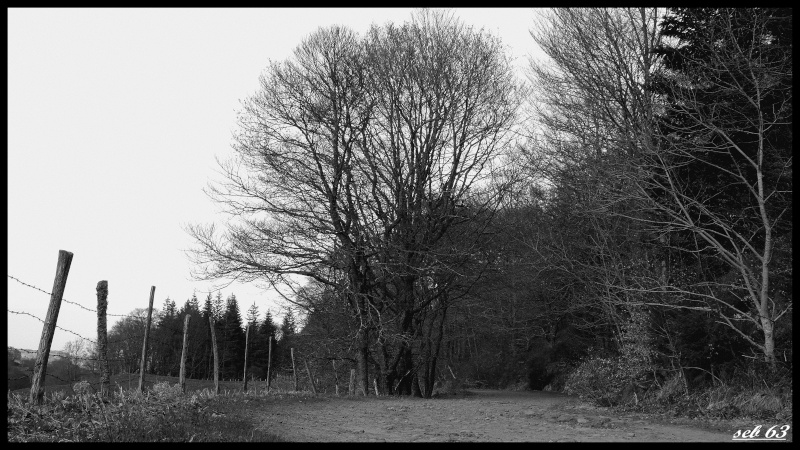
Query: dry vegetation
[162, 414]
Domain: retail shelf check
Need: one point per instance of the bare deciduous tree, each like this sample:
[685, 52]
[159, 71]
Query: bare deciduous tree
[355, 160]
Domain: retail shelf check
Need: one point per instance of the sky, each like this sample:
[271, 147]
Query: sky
[116, 118]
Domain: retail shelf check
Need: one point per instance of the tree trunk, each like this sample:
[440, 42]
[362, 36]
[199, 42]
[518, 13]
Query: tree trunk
[769, 341]
[361, 362]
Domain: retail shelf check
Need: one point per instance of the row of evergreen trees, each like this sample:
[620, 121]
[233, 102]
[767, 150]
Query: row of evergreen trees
[166, 340]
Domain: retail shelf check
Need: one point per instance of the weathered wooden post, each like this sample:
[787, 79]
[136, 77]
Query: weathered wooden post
[146, 337]
[294, 370]
[335, 377]
[184, 352]
[269, 363]
[310, 378]
[216, 357]
[102, 337]
[244, 371]
[49, 328]
[351, 389]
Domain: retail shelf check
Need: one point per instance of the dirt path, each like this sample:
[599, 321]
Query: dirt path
[494, 416]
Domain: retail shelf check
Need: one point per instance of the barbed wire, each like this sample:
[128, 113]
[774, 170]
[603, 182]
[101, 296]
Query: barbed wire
[153, 338]
[162, 325]
[68, 301]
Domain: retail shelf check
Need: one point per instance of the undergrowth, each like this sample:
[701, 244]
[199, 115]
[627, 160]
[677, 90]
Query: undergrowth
[748, 393]
[162, 414]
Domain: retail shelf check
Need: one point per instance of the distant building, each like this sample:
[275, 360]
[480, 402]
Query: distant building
[31, 354]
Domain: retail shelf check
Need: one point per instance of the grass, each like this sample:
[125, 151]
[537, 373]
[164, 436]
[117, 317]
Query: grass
[161, 414]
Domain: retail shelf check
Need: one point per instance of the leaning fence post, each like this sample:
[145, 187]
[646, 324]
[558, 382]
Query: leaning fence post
[310, 378]
[294, 371]
[146, 337]
[216, 357]
[49, 328]
[183, 353]
[244, 371]
[102, 336]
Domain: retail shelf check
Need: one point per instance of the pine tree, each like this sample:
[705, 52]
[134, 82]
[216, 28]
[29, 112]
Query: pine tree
[268, 327]
[208, 311]
[193, 303]
[288, 325]
[261, 354]
[252, 316]
[198, 337]
[218, 307]
[234, 340]
[255, 346]
[164, 341]
[287, 332]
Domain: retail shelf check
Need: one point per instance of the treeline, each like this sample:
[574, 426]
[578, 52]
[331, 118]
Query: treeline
[620, 227]
[166, 340]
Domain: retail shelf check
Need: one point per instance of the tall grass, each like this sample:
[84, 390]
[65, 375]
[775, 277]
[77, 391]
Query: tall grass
[161, 414]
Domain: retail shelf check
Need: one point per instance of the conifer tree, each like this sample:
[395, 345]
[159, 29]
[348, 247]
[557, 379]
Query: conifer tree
[208, 311]
[164, 340]
[234, 340]
[287, 332]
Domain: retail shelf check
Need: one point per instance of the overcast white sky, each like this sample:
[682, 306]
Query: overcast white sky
[115, 117]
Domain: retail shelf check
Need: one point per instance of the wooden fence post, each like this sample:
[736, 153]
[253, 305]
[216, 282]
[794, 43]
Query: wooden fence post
[49, 328]
[216, 357]
[310, 378]
[351, 389]
[184, 352]
[269, 363]
[244, 371]
[294, 371]
[335, 376]
[146, 337]
[102, 337]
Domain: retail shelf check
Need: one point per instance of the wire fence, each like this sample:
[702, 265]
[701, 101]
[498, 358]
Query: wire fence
[130, 362]
[136, 338]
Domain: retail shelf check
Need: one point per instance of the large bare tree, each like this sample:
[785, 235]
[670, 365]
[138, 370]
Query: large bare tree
[353, 163]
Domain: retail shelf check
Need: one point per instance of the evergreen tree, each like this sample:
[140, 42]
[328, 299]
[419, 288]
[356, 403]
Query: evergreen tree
[286, 342]
[267, 327]
[724, 161]
[234, 340]
[252, 316]
[218, 307]
[198, 338]
[208, 311]
[193, 304]
[261, 353]
[255, 345]
[288, 325]
[165, 341]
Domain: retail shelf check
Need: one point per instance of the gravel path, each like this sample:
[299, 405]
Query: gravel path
[485, 415]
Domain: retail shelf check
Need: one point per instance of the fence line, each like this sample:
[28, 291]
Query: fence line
[170, 328]
[67, 301]
[137, 338]
[159, 339]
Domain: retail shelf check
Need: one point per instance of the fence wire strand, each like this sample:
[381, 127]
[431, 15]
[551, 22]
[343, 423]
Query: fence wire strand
[67, 301]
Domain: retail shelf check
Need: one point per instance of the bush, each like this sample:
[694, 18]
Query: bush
[597, 380]
[165, 391]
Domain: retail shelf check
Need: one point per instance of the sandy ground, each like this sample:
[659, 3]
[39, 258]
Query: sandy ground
[478, 416]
